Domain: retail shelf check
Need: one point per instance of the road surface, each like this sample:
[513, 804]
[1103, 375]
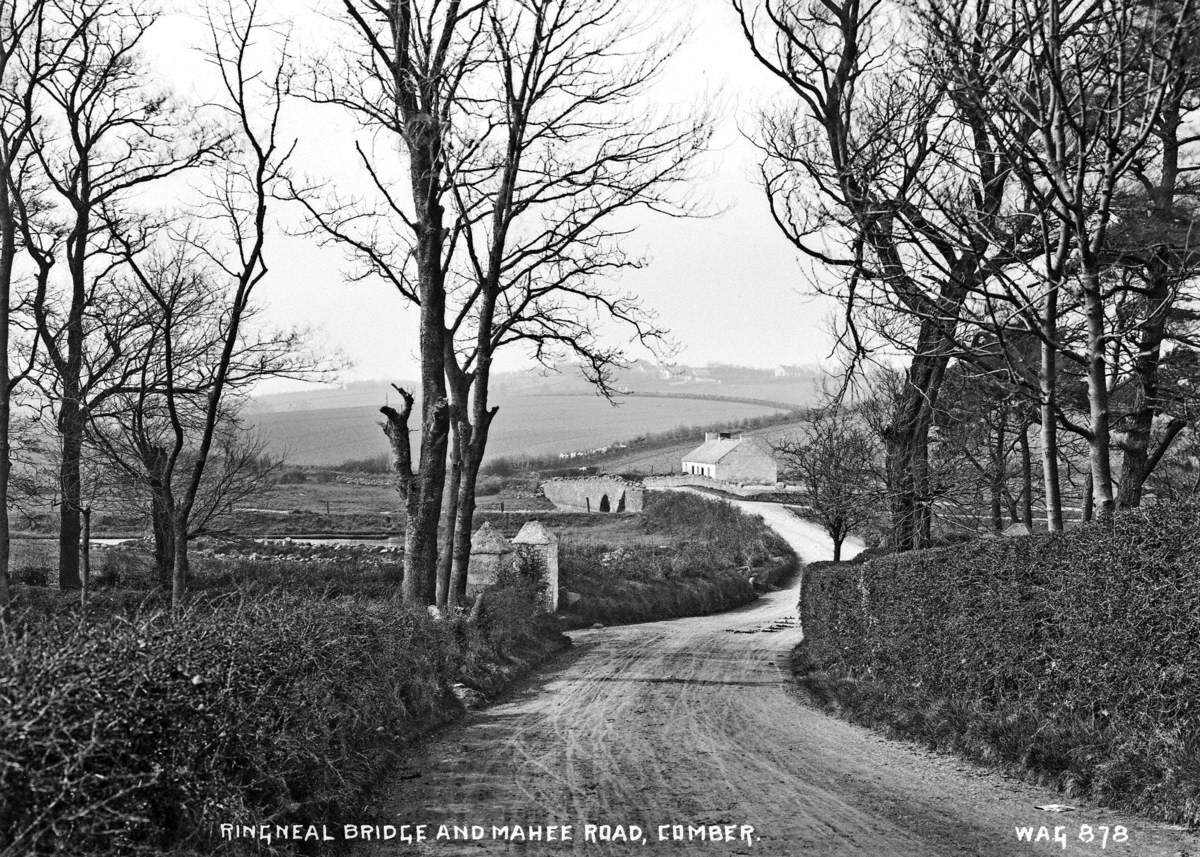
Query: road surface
[694, 722]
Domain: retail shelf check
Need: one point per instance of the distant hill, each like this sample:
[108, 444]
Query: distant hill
[539, 414]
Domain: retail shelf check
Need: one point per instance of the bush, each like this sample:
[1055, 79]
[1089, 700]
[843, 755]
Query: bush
[1071, 655]
[719, 558]
[125, 736]
[36, 575]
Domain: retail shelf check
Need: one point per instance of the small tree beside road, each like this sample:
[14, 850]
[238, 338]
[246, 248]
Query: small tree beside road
[834, 457]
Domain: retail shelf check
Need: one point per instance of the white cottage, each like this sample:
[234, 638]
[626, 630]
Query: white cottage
[730, 457]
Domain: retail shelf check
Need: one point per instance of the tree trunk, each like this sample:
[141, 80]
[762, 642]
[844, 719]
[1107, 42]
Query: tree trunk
[1097, 378]
[906, 453]
[1048, 384]
[85, 556]
[70, 423]
[466, 520]
[1089, 499]
[1026, 478]
[450, 517]
[424, 511]
[1135, 461]
[162, 523]
[999, 474]
[181, 569]
[8, 253]
[837, 548]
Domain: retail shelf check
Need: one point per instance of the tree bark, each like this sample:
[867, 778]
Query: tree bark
[8, 253]
[70, 425]
[1048, 388]
[450, 516]
[999, 473]
[1097, 382]
[85, 556]
[181, 568]
[1135, 459]
[1026, 478]
[162, 518]
[906, 451]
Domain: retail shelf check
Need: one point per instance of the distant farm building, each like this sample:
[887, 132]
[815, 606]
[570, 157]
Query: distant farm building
[594, 494]
[730, 457]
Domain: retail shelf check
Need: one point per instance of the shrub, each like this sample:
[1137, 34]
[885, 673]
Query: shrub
[36, 575]
[126, 736]
[719, 558]
[1073, 655]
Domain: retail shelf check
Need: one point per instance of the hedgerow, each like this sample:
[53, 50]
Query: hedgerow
[1074, 656]
[140, 735]
[720, 558]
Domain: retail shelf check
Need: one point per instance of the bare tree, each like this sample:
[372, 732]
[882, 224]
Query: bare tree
[236, 208]
[151, 433]
[560, 147]
[110, 132]
[400, 73]
[835, 457]
[1090, 93]
[541, 147]
[886, 178]
[23, 65]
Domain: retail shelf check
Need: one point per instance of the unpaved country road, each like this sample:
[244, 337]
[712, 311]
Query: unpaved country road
[694, 721]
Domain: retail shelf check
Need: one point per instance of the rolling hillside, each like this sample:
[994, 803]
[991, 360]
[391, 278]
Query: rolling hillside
[538, 415]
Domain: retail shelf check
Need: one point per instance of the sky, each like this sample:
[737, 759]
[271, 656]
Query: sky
[728, 287]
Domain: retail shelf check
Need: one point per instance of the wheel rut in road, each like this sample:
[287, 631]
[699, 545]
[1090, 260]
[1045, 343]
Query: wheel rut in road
[697, 722]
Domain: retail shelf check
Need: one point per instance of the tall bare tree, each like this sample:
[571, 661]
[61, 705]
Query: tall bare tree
[109, 132]
[151, 433]
[399, 72]
[24, 62]
[892, 184]
[540, 148]
[560, 148]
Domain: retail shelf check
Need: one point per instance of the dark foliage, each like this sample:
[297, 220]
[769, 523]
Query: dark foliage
[1072, 656]
[138, 735]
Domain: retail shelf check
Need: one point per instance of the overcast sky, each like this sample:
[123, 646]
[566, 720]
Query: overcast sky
[728, 287]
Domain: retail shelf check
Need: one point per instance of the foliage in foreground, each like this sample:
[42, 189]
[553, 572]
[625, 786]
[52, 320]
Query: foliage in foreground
[138, 735]
[1071, 656]
[720, 558]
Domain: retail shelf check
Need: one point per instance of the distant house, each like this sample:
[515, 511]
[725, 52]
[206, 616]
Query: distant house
[730, 457]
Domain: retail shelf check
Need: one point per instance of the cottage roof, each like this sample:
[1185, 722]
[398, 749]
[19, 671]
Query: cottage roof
[535, 533]
[712, 451]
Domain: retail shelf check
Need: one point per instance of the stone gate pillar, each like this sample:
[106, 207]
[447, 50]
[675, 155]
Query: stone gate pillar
[535, 539]
[489, 552]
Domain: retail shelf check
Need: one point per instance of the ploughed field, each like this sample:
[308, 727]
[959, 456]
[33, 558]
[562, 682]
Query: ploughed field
[525, 426]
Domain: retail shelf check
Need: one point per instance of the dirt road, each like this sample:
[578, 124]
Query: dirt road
[694, 722]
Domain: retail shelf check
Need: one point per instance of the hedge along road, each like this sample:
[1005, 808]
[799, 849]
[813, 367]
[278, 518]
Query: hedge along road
[695, 722]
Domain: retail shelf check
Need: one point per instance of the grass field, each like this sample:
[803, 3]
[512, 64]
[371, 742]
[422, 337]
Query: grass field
[525, 426]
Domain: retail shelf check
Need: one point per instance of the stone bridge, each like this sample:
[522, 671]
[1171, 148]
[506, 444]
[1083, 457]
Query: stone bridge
[594, 494]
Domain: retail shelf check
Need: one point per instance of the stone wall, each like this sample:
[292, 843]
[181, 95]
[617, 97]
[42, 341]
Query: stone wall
[694, 481]
[594, 494]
